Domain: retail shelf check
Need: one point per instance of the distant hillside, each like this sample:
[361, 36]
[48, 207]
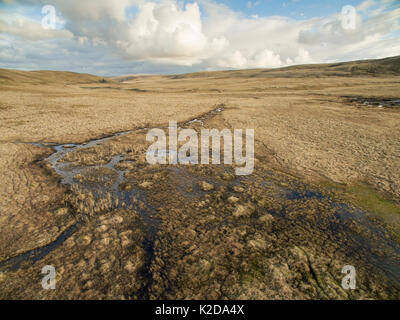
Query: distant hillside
[136, 77]
[387, 66]
[381, 67]
[15, 77]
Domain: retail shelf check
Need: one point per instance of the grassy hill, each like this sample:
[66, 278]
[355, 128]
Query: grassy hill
[381, 67]
[387, 66]
[16, 77]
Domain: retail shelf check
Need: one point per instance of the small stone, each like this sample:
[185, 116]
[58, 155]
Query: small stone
[243, 211]
[106, 241]
[102, 228]
[125, 243]
[117, 219]
[201, 204]
[238, 189]
[127, 187]
[257, 244]
[205, 186]
[205, 265]
[233, 199]
[105, 267]
[267, 218]
[131, 266]
[228, 176]
[85, 240]
[145, 185]
[89, 284]
[125, 233]
[61, 211]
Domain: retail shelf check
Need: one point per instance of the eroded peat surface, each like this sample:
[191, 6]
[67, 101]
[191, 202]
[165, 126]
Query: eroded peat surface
[183, 231]
[323, 195]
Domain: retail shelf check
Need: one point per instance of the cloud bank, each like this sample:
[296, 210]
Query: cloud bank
[170, 36]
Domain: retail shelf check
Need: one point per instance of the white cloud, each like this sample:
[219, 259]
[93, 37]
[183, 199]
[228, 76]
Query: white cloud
[365, 5]
[165, 34]
[29, 29]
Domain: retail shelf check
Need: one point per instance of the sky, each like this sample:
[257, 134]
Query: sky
[119, 37]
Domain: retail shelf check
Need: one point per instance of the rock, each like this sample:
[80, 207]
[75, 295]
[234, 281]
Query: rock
[145, 185]
[105, 267]
[205, 186]
[142, 205]
[258, 244]
[85, 240]
[132, 265]
[243, 210]
[106, 241]
[102, 228]
[228, 176]
[267, 218]
[91, 262]
[233, 199]
[125, 242]
[201, 204]
[125, 234]
[263, 203]
[205, 265]
[89, 284]
[61, 211]
[117, 219]
[127, 187]
[238, 189]
[69, 243]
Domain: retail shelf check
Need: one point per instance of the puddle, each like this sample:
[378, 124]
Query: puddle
[376, 102]
[383, 252]
[296, 195]
[197, 120]
[361, 231]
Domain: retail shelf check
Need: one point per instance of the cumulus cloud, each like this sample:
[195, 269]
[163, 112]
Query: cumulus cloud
[29, 29]
[164, 35]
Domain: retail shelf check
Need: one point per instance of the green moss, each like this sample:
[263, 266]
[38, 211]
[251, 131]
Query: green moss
[368, 198]
[253, 270]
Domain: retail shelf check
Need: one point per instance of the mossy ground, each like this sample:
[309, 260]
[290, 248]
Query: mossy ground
[366, 197]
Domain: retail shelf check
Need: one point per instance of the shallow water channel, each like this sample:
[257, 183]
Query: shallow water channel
[121, 197]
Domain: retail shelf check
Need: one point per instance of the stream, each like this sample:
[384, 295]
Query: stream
[123, 198]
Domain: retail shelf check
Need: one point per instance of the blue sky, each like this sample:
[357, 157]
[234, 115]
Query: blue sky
[298, 9]
[111, 37]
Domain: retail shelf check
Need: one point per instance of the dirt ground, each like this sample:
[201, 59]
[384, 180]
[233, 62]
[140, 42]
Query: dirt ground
[324, 193]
